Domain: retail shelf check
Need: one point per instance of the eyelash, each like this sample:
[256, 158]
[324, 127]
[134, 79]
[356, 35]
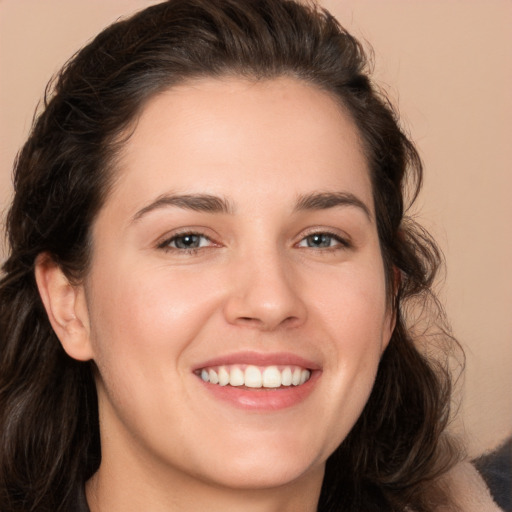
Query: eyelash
[165, 245]
[342, 243]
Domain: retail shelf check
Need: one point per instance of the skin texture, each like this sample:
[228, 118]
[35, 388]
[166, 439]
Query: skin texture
[149, 313]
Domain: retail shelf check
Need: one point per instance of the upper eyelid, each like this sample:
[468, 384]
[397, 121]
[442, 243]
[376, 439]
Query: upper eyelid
[342, 237]
[341, 242]
[335, 233]
[167, 239]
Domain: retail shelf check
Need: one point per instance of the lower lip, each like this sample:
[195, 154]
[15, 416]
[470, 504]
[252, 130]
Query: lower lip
[263, 399]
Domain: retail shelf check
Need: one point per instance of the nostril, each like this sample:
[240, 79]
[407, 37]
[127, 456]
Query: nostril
[249, 320]
[269, 324]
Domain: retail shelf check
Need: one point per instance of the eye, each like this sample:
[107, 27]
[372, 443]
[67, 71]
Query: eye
[322, 241]
[186, 241]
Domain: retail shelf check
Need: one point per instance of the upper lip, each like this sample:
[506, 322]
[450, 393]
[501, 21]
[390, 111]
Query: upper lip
[260, 359]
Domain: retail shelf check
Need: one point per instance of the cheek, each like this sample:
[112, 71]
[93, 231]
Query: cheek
[362, 324]
[140, 328]
[352, 304]
[353, 311]
[143, 322]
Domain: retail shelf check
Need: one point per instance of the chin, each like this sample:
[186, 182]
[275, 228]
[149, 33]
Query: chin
[264, 473]
[277, 463]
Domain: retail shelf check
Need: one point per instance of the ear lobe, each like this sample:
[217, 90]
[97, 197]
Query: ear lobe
[65, 306]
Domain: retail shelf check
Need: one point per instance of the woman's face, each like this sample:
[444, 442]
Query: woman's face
[238, 245]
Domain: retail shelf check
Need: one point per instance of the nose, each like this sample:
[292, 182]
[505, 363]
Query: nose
[264, 294]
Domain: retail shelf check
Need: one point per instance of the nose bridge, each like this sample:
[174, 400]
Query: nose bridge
[264, 292]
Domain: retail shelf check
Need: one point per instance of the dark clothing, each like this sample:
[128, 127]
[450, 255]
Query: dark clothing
[496, 470]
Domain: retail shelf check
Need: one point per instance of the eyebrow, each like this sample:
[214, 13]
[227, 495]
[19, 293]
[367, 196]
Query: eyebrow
[197, 202]
[214, 204]
[326, 200]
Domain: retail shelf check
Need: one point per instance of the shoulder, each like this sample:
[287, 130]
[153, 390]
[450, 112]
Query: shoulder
[468, 490]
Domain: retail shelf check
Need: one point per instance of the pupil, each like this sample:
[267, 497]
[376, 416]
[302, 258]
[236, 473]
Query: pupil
[187, 241]
[319, 241]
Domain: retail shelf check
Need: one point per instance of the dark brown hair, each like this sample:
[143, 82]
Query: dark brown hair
[49, 436]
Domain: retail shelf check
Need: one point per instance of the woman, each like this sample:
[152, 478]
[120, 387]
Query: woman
[204, 302]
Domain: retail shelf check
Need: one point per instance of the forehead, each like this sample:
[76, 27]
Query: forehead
[216, 133]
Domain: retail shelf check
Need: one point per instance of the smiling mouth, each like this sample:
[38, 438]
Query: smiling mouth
[255, 377]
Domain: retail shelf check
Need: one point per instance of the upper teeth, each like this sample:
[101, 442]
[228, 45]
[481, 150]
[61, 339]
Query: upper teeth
[255, 376]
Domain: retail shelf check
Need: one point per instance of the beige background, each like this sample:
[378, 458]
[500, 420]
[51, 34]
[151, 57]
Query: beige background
[448, 66]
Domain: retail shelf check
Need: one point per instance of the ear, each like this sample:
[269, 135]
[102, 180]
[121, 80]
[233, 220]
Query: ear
[66, 308]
